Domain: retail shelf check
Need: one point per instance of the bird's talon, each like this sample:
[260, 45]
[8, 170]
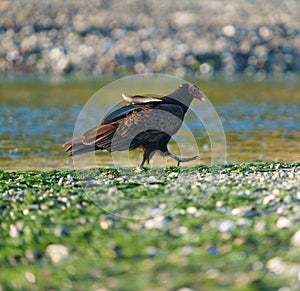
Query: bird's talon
[178, 159]
[184, 160]
[138, 169]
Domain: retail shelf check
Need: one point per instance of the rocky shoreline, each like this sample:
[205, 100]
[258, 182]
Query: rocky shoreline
[237, 228]
[198, 38]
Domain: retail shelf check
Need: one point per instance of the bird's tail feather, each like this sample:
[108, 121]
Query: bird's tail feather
[78, 148]
[94, 139]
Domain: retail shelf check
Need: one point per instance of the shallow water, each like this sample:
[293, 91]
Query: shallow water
[259, 125]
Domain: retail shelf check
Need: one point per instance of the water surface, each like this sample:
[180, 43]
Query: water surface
[261, 122]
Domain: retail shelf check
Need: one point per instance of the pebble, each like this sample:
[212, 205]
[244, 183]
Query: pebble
[25, 211]
[186, 250]
[157, 222]
[275, 265]
[226, 226]
[56, 252]
[268, 198]
[236, 211]
[61, 231]
[60, 181]
[220, 204]
[106, 222]
[191, 210]
[173, 175]
[30, 277]
[13, 232]
[244, 221]
[283, 222]
[70, 179]
[180, 37]
[295, 239]
[260, 226]
[154, 251]
[182, 229]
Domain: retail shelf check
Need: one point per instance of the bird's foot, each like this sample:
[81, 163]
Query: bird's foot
[179, 159]
[139, 169]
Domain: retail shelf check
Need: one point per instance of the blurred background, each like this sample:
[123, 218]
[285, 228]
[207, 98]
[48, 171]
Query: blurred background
[185, 38]
[244, 55]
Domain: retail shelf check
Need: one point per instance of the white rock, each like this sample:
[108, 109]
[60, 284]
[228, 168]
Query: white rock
[226, 226]
[295, 239]
[60, 181]
[56, 252]
[186, 250]
[236, 211]
[283, 222]
[191, 210]
[173, 175]
[244, 221]
[157, 222]
[228, 30]
[70, 179]
[220, 204]
[30, 277]
[275, 265]
[260, 226]
[13, 231]
[182, 229]
[268, 198]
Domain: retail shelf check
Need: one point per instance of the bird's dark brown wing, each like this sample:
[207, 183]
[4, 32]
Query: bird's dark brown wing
[130, 128]
[135, 102]
[96, 138]
[148, 124]
[119, 114]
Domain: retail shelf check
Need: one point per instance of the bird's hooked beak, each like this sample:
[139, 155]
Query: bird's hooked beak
[195, 92]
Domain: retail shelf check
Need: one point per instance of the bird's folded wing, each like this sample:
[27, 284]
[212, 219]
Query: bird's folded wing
[151, 120]
[118, 114]
[99, 134]
[134, 103]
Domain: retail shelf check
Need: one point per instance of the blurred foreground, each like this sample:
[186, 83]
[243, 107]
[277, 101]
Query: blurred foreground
[237, 231]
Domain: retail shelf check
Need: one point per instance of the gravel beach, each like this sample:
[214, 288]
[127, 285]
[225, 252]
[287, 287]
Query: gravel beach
[237, 231]
[184, 38]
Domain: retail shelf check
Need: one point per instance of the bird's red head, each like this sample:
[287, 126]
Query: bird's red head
[195, 92]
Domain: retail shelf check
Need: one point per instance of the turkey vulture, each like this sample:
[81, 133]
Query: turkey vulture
[146, 122]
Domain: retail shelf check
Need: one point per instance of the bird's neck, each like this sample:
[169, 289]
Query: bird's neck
[170, 100]
[179, 100]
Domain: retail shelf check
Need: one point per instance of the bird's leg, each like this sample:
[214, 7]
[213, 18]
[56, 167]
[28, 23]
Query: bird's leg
[141, 166]
[178, 159]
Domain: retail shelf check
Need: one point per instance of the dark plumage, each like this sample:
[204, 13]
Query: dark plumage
[147, 123]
